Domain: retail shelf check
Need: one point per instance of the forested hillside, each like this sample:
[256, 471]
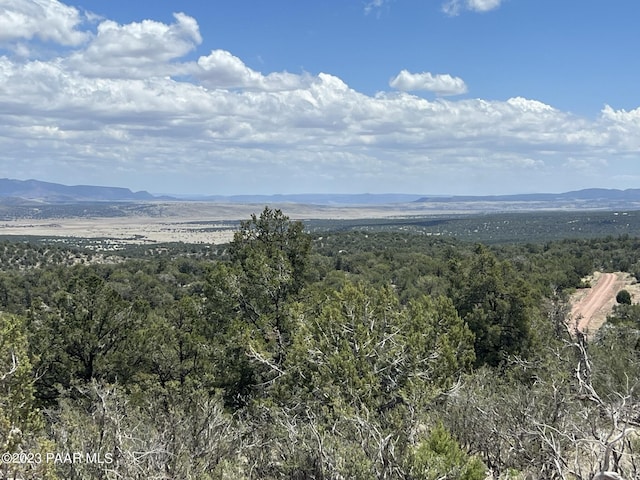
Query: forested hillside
[337, 355]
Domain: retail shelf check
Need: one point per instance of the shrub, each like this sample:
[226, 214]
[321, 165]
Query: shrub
[440, 456]
[623, 297]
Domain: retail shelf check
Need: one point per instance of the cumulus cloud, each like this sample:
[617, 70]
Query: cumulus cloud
[439, 84]
[48, 20]
[221, 69]
[231, 126]
[454, 7]
[621, 116]
[138, 49]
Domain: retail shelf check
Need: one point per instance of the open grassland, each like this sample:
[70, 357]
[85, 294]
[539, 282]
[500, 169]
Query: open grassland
[109, 225]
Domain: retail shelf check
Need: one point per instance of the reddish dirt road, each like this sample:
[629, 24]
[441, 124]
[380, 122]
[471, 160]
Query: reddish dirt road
[590, 311]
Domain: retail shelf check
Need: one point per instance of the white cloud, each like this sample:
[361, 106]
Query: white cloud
[623, 125]
[230, 126]
[48, 20]
[621, 116]
[159, 125]
[221, 69]
[138, 49]
[373, 5]
[454, 7]
[483, 5]
[438, 84]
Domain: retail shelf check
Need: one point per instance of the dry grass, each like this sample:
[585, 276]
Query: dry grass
[191, 222]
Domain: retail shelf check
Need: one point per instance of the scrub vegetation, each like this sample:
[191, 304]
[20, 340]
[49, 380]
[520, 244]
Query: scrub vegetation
[318, 352]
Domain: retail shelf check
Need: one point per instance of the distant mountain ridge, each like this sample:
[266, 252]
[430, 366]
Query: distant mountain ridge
[34, 192]
[15, 191]
[588, 194]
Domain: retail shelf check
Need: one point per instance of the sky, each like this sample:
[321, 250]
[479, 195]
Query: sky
[429, 97]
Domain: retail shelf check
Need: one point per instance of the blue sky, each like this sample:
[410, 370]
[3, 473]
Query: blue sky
[341, 96]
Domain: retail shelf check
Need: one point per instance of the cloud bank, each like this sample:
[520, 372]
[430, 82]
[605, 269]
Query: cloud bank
[145, 117]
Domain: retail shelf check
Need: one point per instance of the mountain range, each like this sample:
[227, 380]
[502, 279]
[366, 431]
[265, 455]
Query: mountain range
[588, 194]
[25, 192]
[30, 191]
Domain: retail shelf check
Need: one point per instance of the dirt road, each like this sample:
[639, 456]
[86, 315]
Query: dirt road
[590, 311]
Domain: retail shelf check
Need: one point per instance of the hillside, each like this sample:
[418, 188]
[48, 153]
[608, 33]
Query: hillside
[29, 191]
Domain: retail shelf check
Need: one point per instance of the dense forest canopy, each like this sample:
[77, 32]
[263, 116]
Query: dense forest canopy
[335, 354]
